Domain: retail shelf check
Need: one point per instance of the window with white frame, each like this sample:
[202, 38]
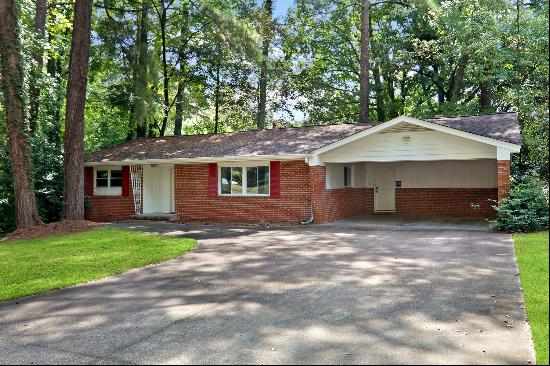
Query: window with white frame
[244, 180]
[347, 176]
[108, 181]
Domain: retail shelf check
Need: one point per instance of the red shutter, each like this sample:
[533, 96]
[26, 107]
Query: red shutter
[89, 181]
[126, 180]
[275, 179]
[212, 180]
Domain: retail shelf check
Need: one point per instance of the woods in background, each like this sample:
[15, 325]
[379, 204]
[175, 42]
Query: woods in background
[172, 67]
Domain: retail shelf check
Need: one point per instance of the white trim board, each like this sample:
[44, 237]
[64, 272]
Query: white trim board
[201, 160]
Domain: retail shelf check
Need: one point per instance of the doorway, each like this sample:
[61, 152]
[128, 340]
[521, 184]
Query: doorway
[384, 189]
[157, 189]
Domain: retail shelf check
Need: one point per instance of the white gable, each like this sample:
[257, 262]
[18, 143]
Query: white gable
[401, 144]
[405, 138]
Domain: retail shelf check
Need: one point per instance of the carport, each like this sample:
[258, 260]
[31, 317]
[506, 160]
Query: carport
[410, 167]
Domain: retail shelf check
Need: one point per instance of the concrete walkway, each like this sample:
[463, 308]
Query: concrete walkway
[315, 295]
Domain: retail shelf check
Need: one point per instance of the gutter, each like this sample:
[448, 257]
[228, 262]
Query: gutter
[198, 160]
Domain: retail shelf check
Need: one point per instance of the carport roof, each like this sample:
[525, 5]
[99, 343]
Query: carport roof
[286, 141]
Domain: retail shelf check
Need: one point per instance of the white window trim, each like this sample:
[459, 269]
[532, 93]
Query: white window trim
[106, 191]
[243, 166]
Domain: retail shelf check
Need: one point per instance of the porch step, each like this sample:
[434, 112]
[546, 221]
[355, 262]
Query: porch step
[155, 216]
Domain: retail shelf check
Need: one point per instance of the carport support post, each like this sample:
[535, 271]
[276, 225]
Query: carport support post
[317, 181]
[503, 179]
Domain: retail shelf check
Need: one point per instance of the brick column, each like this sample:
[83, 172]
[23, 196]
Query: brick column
[317, 181]
[503, 179]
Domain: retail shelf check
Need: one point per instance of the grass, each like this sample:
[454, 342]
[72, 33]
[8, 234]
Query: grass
[532, 254]
[29, 267]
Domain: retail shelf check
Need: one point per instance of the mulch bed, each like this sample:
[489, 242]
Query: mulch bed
[53, 229]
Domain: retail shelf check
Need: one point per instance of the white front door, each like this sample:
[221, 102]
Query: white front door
[384, 189]
[157, 189]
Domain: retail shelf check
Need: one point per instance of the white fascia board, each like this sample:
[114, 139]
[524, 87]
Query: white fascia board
[415, 121]
[503, 154]
[198, 160]
[314, 160]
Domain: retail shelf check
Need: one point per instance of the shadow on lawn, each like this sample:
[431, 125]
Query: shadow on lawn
[307, 295]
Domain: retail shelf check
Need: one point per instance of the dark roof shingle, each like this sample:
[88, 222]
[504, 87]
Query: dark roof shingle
[283, 141]
[500, 126]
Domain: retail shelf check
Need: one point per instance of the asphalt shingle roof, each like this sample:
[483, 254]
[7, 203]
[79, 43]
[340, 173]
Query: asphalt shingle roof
[283, 141]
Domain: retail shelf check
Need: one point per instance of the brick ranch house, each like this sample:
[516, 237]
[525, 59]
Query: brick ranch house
[440, 167]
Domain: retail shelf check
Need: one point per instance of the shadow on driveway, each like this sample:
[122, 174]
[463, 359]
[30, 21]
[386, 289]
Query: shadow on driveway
[288, 295]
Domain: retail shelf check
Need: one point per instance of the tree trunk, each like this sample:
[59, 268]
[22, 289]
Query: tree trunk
[165, 80]
[380, 106]
[217, 99]
[486, 97]
[458, 80]
[140, 74]
[364, 63]
[390, 89]
[267, 34]
[36, 71]
[12, 82]
[178, 120]
[73, 202]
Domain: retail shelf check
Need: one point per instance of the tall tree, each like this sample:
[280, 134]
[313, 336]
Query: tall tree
[73, 200]
[364, 66]
[162, 12]
[364, 62]
[178, 119]
[12, 82]
[41, 10]
[217, 98]
[140, 71]
[267, 34]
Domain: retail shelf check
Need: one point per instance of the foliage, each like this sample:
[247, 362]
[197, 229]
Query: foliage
[526, 209]
[429, 58]
[532, 254]
[7, 206]
[34, 266]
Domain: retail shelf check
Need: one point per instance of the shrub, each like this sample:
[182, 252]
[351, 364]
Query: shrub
[527, 208]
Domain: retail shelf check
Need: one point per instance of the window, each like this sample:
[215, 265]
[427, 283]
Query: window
[108, 181]
[347, 176]
[244, 180]
[116, 178]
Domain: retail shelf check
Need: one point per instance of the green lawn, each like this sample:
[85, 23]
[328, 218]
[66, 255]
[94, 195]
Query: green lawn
[29, 267]
[532, 253]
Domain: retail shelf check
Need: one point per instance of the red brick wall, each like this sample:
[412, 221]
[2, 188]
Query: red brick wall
[303, 188]
[503, 179]
[369, 200]
[110, 208]
[194, 205]
[445, 201]
[334, 204]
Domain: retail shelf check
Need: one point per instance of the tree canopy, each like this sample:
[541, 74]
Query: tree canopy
[164, 67]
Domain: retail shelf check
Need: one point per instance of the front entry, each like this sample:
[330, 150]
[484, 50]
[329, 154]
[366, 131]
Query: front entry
[384, 189]
[157, 189]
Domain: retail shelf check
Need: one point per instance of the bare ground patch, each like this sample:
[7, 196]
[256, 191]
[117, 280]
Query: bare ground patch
[53, 229]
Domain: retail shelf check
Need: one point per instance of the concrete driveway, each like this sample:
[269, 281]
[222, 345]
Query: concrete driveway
[322, 294]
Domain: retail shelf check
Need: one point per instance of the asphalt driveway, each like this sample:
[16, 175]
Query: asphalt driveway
[322, 294]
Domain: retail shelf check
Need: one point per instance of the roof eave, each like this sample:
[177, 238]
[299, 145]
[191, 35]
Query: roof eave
[197, 160]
